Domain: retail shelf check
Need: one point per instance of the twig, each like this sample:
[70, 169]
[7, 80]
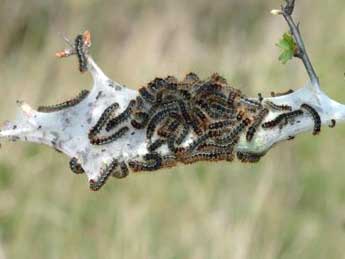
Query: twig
[286, 11]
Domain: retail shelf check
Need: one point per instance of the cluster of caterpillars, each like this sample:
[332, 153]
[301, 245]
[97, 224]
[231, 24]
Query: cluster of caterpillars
[170, 111]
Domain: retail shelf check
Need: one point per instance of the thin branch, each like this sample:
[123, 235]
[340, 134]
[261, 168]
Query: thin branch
[286, 11]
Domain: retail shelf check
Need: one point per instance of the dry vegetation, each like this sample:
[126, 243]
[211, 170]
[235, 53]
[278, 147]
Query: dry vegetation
[290, 205]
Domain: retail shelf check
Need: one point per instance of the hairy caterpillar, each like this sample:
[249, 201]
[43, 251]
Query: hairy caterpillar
[282, 118]
[69, 103]
[125, 115]
[316, 117]
[153, 161]
[122, 172]
[256, 123]
[75, 166]
[98, 140]
[107, 113]
[104, 175]
[278, 107]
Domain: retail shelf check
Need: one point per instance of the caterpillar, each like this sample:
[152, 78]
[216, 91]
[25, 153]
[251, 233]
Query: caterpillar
[182, 133]
[172, 94]
[75, 166]
[184, 94]
[168, 161]
[160, 86]
[177, 139]
[239, 115]
[260, 97]
[316, 117]
[153, 161]
[220, 124]
[94, 140]
[202, 139]
[290, 91]
[251, 102]
[143, 116]
[139, 103]
[122, 172]
[80, 49]
[247, 157]
[171, 143]
[104, 175]
[69, 103]
[217, 79]
[156, 144]
[211, 145]
[125, 115]
[278, 107]
[157, 84]
[215, 97]
[199, 141]
[282, 118]
[188, 119]
[209, 156]
[233, 95]
[256, 123]
[191, 78]
[177, 130]
[204, 106]
[103, 119]
[232, 137]
[208, 88]
[171, 80]
[333, 123]
[146, 95]
[200, 115]
[154, 109]
[155, 120]
[168, 128]
[226, 113]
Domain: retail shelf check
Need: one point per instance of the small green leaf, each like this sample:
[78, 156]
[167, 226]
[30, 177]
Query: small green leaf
[285, 56]
[288, 47]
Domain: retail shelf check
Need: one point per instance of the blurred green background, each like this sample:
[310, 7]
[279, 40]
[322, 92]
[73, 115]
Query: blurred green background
[290, 205]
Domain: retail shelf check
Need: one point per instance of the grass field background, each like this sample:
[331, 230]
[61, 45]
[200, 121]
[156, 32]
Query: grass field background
[290, 205]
